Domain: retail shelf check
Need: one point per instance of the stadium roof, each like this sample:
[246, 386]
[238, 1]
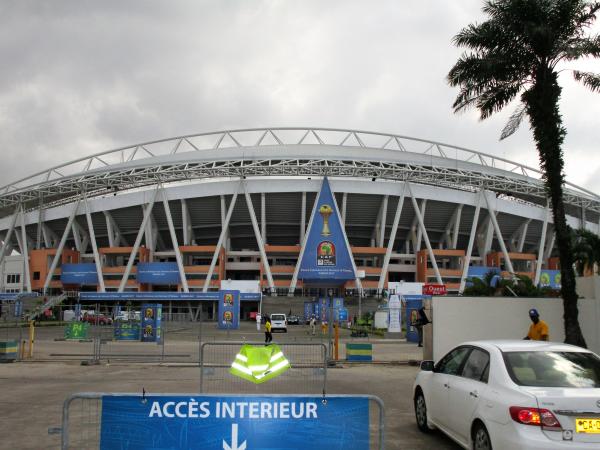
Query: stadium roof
[295, 152]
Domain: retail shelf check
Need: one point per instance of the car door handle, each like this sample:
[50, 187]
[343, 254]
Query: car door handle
[474, 394]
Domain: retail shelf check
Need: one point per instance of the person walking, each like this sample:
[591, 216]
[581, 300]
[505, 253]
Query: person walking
[419, 323]
[538, 330]
[268, 335]
[313, 325]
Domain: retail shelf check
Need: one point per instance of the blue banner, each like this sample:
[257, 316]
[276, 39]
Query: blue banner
[234, 422]
[151, 322]
[126, 331]
[550, 278]
[161, 296]
[165, 273]
[229, 310]
[326, 254]
[83, 273]
[309, 310]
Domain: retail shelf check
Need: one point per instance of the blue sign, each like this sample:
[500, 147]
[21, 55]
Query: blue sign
[83, 273]
[77, 311]
[126, 331]
[161, 296]
[309, 310]
[229, 310]
[550, 279]
[234, 422]
[166, 273]
[326, 256]
[18, 308]
[151, 323]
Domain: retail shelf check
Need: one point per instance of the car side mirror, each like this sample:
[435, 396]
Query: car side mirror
[427, 366]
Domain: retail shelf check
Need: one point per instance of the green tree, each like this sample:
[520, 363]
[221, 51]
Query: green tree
[516, 52]
[586, 250]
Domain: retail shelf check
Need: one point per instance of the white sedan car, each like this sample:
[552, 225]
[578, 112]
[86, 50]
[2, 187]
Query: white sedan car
[512, 395]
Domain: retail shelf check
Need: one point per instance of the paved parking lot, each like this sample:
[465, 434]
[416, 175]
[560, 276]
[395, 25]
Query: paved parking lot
[32, 393]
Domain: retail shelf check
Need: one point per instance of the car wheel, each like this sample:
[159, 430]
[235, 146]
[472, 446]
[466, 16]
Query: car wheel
[481, 438]
[421, 412]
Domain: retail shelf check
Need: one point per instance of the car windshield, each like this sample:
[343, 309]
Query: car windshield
[554, 369]
[277, 317]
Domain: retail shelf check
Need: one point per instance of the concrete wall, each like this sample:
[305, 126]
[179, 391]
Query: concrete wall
[12, 265]
[460, 319]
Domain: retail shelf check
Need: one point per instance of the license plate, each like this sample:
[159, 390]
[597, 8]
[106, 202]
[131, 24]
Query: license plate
[587, 425]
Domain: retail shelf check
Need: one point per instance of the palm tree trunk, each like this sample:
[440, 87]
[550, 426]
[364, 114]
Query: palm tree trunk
[546, 123]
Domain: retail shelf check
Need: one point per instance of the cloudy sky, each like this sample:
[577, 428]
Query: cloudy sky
[79, 77]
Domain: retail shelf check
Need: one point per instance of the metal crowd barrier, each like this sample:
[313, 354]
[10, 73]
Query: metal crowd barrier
[308, 373]
[81, 427]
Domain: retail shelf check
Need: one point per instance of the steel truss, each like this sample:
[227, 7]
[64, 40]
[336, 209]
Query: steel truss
[153, 162]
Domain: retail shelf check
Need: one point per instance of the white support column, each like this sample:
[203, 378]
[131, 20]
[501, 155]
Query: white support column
[51, 239]
[303, 218]
[38, 241]
[456, 231]
[138, 240]
[186, 220]
[61, 246]
[485, 237]
[222, 237]
[549, 245]
[178, 258]
[261, 245]
[227, 241]
[25, 251]
[384, 207]
[507, 261]
[520, 243]
[436, 270]
[97, 261]
[154, 240]
[344, 206]
[538, 266]
[390, 246]
[115, 237]
[9, 233]
[467, 261]
[81, 237]
[263, 217]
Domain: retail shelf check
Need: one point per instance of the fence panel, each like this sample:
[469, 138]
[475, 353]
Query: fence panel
[308, 373]
[81, 427]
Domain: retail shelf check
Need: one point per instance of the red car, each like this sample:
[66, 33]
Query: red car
[100, 319]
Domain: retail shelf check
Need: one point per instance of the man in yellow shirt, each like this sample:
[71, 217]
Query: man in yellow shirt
[538, 330]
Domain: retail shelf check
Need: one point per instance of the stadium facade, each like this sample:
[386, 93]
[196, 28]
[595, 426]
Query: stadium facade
[235, 205]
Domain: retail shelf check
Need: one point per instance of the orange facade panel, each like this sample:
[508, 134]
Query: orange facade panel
[361, 251]
[283, 249]
[40, 262]
[198, 249]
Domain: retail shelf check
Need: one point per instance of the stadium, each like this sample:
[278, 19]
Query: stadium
[235, 205]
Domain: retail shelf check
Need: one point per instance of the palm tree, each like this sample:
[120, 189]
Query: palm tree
[586, 250]
[517, 52]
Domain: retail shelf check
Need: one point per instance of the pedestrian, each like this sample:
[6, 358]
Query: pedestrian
[268, 335]
[258, 321]
[538, 330]
[419, 323]
[313, 324]
[354, 319]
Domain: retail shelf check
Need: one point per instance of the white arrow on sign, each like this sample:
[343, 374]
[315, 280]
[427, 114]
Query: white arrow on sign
[234, 440]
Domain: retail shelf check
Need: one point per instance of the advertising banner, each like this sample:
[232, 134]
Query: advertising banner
[229, 310]
[326, 255]
[126, 331]
[161, 296]
[394, 306]
[234, 422]
[434, 289]
[83, 273]
[550, 278]
[165, 273]
[151, 322]
[77, 330]
[309, 310]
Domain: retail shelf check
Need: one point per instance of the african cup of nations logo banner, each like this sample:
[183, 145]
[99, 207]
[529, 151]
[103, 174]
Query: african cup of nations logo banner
[326, 254]
[550, 278]
[229, 310]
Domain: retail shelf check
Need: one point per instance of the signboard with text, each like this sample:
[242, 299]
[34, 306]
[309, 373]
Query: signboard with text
[326, 256]
[235, 422]
[165, 273]
[434, 289]
[78, 274]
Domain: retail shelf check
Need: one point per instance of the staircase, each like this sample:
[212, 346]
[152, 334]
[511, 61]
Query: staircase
[39, 309]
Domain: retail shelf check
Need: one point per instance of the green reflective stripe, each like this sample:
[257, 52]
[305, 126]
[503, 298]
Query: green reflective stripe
[241, 368]
[276, 356]
[259, 364]
[241, 357]
[359, 352]
[260, 368]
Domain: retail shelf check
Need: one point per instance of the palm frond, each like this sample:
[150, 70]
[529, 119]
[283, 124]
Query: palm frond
[582, 47]
[589, 80]
[514, 121]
